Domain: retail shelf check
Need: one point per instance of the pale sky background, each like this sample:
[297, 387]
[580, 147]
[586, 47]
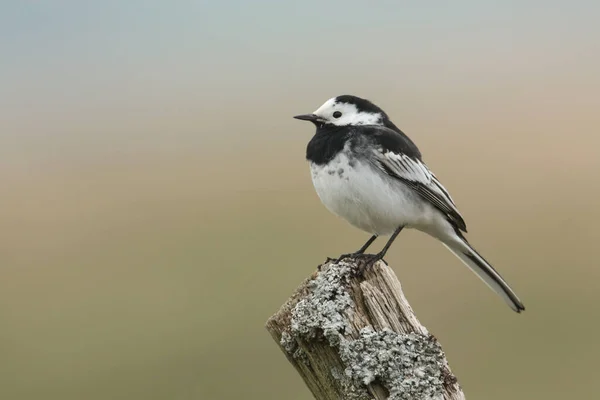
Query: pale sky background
[111, 76]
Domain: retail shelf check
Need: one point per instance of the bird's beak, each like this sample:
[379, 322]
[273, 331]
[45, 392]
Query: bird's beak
[307, 117]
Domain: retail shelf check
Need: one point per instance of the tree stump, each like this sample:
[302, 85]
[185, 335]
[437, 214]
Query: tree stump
[353, 335]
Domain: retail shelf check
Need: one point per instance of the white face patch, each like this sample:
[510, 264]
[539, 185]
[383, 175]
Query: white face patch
[349, 114]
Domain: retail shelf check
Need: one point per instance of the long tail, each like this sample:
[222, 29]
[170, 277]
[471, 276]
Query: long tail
[469, 256]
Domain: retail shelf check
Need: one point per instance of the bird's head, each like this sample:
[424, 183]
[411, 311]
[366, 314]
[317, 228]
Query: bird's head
[347, 110]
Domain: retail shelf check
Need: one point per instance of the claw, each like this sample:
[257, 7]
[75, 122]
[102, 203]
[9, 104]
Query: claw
[367, 260]
[363, 260]
[343, 256]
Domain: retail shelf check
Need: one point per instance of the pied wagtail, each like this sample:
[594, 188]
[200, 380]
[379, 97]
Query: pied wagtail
[370, 173]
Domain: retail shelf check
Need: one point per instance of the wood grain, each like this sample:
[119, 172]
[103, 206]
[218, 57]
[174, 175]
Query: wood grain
[353, 335]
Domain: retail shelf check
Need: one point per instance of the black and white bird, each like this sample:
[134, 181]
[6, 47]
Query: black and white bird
[370, 173]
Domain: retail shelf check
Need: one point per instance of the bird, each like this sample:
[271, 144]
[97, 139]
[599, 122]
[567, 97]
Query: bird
[370, 173]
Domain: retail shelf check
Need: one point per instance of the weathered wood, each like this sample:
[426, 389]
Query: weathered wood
[353, 336]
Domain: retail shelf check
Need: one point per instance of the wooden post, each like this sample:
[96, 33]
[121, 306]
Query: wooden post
[354, 336]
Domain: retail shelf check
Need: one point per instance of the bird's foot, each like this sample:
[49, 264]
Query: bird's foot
[348, 255]
[363, 261]
[368, 260]
[356, 255]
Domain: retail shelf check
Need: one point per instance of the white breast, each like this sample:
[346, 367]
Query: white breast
[367, 198]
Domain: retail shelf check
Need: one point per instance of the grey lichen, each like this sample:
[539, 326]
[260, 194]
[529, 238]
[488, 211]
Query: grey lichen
[349, 388]
[410, 366]
[288, 343]
[323, 309]
[291, 347]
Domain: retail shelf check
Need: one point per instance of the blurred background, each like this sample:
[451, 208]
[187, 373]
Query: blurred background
[156, 207]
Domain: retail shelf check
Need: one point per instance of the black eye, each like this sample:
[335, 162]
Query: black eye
[337, 114]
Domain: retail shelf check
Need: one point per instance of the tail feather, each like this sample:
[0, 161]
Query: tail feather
[486, 273]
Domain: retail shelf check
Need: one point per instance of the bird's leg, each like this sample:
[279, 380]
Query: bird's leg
[360, 251]
[381, 254]
[372, 259]
[366, 245]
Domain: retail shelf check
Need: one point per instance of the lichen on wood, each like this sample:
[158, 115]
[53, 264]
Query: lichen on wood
[353, 335]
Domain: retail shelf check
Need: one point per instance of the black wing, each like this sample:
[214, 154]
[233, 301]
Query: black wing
[399, 157]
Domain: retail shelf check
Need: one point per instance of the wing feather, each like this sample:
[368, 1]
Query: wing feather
[414, 173]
